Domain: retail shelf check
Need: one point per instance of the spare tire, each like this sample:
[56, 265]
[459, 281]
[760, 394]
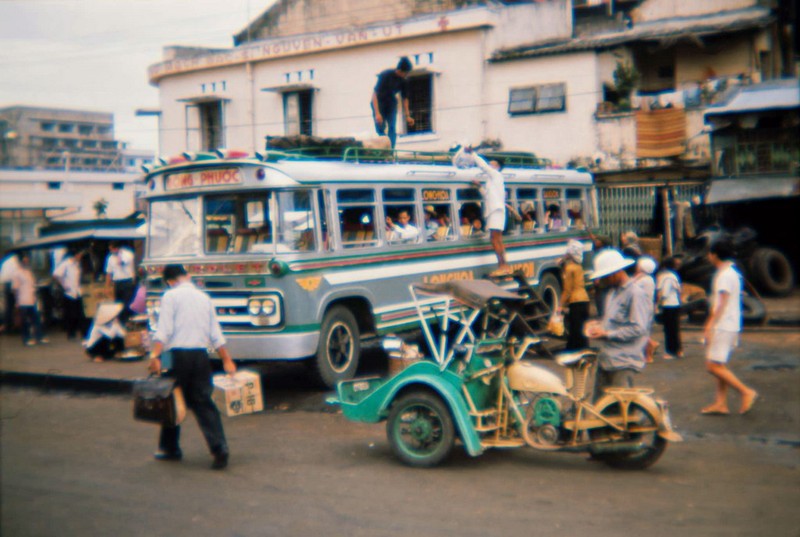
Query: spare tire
[771, 272]
[753, 310]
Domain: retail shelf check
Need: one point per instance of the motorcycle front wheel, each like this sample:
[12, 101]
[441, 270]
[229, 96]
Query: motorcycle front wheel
[642, 428]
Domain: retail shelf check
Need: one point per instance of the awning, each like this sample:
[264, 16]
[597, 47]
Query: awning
[203, 98]
[754, 188]
[288, 88]
[39, 200]
[774, 95]
[118, 233]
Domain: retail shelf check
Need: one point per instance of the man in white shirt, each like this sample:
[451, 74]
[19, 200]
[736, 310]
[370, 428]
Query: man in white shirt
[7, 270]
[188, 327]
[68, 274]
[402, 230]
[120, 272]
[494, 194]
[722, 330]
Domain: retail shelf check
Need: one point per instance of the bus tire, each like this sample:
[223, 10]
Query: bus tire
[339, 347]
[550, 290]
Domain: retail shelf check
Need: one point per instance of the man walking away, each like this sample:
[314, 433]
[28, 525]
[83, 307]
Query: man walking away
[668, 285]
[384, 99]
[24, 285]
[722, 330]
[494, 194]
[120, 271]
[625, 327]
[187, 326]
[68, 275]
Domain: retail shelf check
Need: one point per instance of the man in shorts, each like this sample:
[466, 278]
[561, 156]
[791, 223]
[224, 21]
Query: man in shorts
[722, 330]
[494, 194]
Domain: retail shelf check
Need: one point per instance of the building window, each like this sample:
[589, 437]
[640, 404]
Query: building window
[118, 186]
[48, 127]
[54, 185]
[66, 127]
[297, 112]
[420, 103]
[537, 99]
[104, 129]
[84, 130]
[210, 125]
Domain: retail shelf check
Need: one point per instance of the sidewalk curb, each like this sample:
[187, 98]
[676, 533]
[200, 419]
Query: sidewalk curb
[50, 381]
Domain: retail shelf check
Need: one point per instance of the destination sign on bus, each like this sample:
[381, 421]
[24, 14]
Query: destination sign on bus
[435, 195]
[551, 193]
[218, 177]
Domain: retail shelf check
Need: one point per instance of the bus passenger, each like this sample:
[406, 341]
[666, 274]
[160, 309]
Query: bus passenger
[403, 230]
[431, 222]
[494, 194]
[528, 213]
[553, 220]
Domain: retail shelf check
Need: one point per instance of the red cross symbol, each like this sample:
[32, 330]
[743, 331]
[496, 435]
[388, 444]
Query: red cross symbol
[443, 22]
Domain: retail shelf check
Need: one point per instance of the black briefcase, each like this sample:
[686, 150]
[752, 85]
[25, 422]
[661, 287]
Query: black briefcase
[158, 400]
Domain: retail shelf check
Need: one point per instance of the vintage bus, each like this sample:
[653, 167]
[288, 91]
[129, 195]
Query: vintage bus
[305, 258]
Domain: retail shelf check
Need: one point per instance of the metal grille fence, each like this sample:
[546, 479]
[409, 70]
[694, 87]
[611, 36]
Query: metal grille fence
[633, 207]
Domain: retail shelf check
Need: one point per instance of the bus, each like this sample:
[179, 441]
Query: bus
[305, 258]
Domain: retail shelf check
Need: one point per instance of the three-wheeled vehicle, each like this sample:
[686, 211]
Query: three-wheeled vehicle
[479, 386]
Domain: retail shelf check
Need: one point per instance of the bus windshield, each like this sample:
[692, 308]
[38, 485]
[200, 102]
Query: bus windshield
[174, 228]
[248, 222]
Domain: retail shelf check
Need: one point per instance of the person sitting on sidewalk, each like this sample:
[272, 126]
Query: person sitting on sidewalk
[106, 337]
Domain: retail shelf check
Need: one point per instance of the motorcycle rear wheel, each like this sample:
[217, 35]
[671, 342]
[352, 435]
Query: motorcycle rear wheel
[639, 418]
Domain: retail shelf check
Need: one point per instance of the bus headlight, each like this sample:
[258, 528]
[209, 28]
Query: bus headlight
[264, 310]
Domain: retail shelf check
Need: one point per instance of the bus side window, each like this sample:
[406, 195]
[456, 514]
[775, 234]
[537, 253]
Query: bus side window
[471, 220]
[528, 202]
[575, 213]
[357, 217]
[438, 222]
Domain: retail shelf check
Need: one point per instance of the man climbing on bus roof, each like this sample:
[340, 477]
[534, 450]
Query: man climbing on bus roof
[494, 194]
[384, 99]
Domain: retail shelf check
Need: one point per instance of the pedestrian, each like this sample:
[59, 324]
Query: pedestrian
[630, 247]
[722, 329]
[624, 328]
[668, 293]
[68, 275]
[384, 99]
[574, 298]
[494, 195]
[24, 286]
[8, 268]
[643, 277]
[187, 327]
[106, 337]
[599, 244]
[120, 272]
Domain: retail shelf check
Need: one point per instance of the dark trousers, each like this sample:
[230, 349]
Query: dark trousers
[31, 324]
[388, 127]
[671, 317]
[11, 304]
[192, 372]
[124, 290]
[74, 318]
[106, 348]
[578, 313]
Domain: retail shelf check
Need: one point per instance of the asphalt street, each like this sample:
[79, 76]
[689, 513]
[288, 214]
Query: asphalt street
[76, 464]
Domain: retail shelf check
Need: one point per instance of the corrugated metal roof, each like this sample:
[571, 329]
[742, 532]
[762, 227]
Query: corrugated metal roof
[773, 95]
[752, 188]
[669, 29]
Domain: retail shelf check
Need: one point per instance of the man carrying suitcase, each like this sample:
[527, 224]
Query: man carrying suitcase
[187, 327]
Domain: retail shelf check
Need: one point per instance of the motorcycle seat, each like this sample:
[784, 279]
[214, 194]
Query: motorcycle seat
[567, 359]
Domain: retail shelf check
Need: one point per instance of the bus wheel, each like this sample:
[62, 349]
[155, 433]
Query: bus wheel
[550, 291]
[339, 347]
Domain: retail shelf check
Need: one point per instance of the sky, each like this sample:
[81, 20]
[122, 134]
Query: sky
[94, 54]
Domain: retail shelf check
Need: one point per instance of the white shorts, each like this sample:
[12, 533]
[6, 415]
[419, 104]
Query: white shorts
[721, 346]
[496, 220]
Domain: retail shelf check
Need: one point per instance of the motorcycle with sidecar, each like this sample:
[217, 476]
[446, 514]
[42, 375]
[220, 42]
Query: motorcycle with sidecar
[479, 385]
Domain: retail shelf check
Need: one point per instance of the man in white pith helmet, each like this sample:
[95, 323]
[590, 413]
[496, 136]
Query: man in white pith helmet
[625, 327]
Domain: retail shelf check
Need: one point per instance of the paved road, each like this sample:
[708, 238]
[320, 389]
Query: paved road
[76, 464]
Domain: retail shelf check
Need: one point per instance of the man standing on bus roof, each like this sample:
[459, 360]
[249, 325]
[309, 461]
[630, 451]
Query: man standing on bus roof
[494, 194]
[188, 326]
[384, 99]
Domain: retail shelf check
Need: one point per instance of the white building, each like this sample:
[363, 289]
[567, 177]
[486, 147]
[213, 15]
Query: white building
[537, 76]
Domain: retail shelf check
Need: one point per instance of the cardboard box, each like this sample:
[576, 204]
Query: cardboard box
[238, 394]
